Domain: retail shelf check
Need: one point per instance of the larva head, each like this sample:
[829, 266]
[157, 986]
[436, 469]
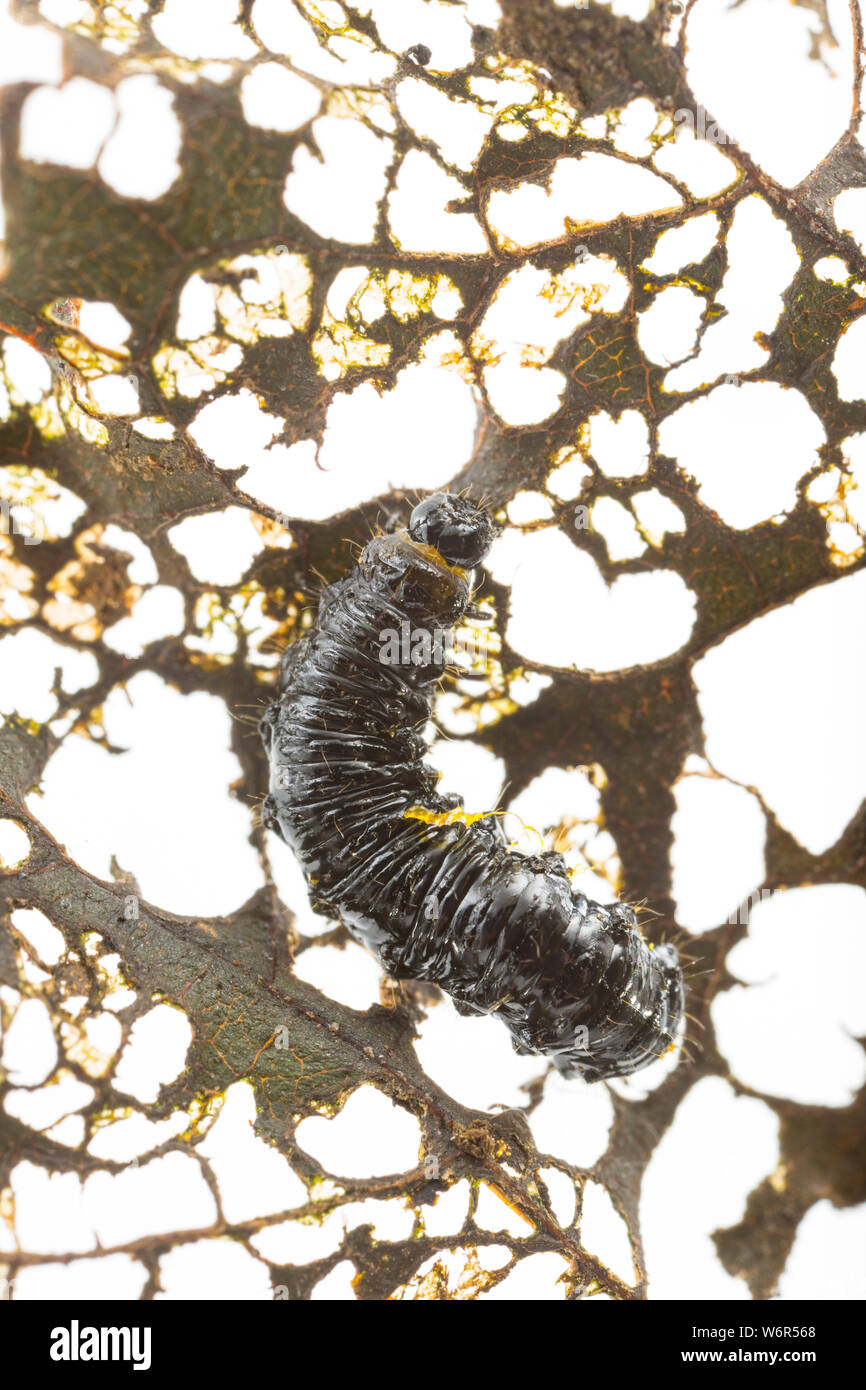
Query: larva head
[461, 531]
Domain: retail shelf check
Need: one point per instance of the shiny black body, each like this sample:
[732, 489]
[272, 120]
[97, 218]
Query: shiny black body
[445, 902]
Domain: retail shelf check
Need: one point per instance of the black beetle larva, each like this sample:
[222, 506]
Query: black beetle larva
[435, 894]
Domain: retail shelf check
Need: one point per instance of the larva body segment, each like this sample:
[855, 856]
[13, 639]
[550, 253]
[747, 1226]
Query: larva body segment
[438, 898]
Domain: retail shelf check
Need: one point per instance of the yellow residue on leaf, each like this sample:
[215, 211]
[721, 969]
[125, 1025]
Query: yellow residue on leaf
[16, 584]
[91, 591]
[115, 26]
[90, 361]
[778, 1179]
[92, 1045]
[47, 418]
[272, 299]
[219, 623]
[195, 371]
[360, 104]
[343, 340]
[521, 100]
[338, 347]
[835, 494]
